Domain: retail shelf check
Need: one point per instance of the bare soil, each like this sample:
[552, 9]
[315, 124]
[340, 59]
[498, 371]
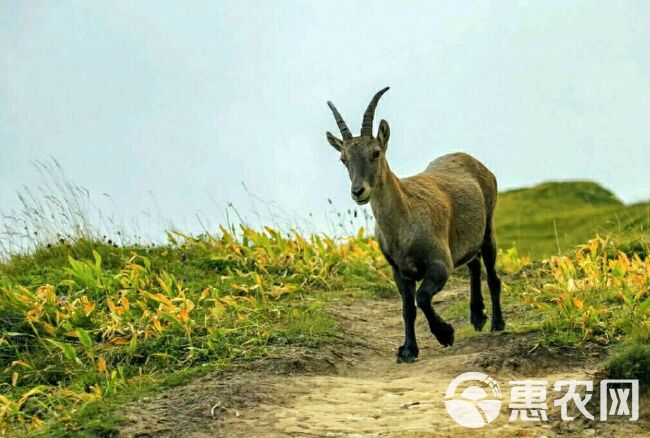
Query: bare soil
[355, 388]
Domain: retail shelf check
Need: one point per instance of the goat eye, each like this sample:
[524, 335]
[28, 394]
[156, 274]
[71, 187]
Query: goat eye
[375, 155]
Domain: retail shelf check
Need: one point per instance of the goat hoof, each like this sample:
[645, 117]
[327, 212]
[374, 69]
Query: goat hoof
[407, 355]
[478, 320]
[445, 334]
[498, 326]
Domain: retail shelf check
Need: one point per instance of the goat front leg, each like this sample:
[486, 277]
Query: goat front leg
[408, 351]
[433, 282]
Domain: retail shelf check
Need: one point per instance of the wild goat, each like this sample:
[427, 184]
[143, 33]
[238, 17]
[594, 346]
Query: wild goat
[427, 225]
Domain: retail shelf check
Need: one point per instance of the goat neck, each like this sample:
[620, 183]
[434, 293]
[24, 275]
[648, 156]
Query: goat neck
[388, 203]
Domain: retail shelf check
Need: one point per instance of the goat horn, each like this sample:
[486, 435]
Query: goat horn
[345, 131]
[369, 115]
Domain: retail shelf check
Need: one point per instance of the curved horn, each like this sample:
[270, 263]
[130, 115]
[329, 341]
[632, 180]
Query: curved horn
[369, 115]
[345, 132]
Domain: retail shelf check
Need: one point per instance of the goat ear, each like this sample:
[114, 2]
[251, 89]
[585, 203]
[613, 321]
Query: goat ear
[383, 134]
[335, 142]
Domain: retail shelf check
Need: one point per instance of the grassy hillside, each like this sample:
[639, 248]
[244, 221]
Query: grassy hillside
[540, 219]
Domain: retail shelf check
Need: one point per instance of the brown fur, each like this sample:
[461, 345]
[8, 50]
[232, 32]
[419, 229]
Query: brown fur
[444, 208]
[427, 225]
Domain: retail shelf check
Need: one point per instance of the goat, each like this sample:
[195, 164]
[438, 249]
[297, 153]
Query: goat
[427, 225]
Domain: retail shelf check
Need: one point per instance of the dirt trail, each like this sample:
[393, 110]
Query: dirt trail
[358, 390]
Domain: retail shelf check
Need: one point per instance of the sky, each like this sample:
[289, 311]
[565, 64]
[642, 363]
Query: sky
[175, 109]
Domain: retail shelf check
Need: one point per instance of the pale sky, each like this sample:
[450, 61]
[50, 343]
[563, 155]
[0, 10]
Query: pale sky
[181, 102]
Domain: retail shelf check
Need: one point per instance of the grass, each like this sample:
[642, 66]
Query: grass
[87, 325]
[598, 293]
[631, 362]
[84, 321]
[555, 217]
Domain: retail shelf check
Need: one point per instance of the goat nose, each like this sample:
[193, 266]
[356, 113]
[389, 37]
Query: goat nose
[358, 191]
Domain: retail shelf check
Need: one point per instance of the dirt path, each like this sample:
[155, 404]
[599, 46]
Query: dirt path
[358, 390]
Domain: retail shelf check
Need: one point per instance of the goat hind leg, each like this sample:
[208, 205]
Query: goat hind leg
[489, 254]
[477, 317]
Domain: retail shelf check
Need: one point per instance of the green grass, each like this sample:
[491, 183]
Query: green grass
[86, 325]
[555, 217]
[87, 321]
[632, 361]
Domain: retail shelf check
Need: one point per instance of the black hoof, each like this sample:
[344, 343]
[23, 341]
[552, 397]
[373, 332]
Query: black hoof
[445, 334]
[498, 326]
[407, 355]
[478, 320]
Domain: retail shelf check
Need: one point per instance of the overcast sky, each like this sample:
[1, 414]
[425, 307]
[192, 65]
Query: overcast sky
[181, 102]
